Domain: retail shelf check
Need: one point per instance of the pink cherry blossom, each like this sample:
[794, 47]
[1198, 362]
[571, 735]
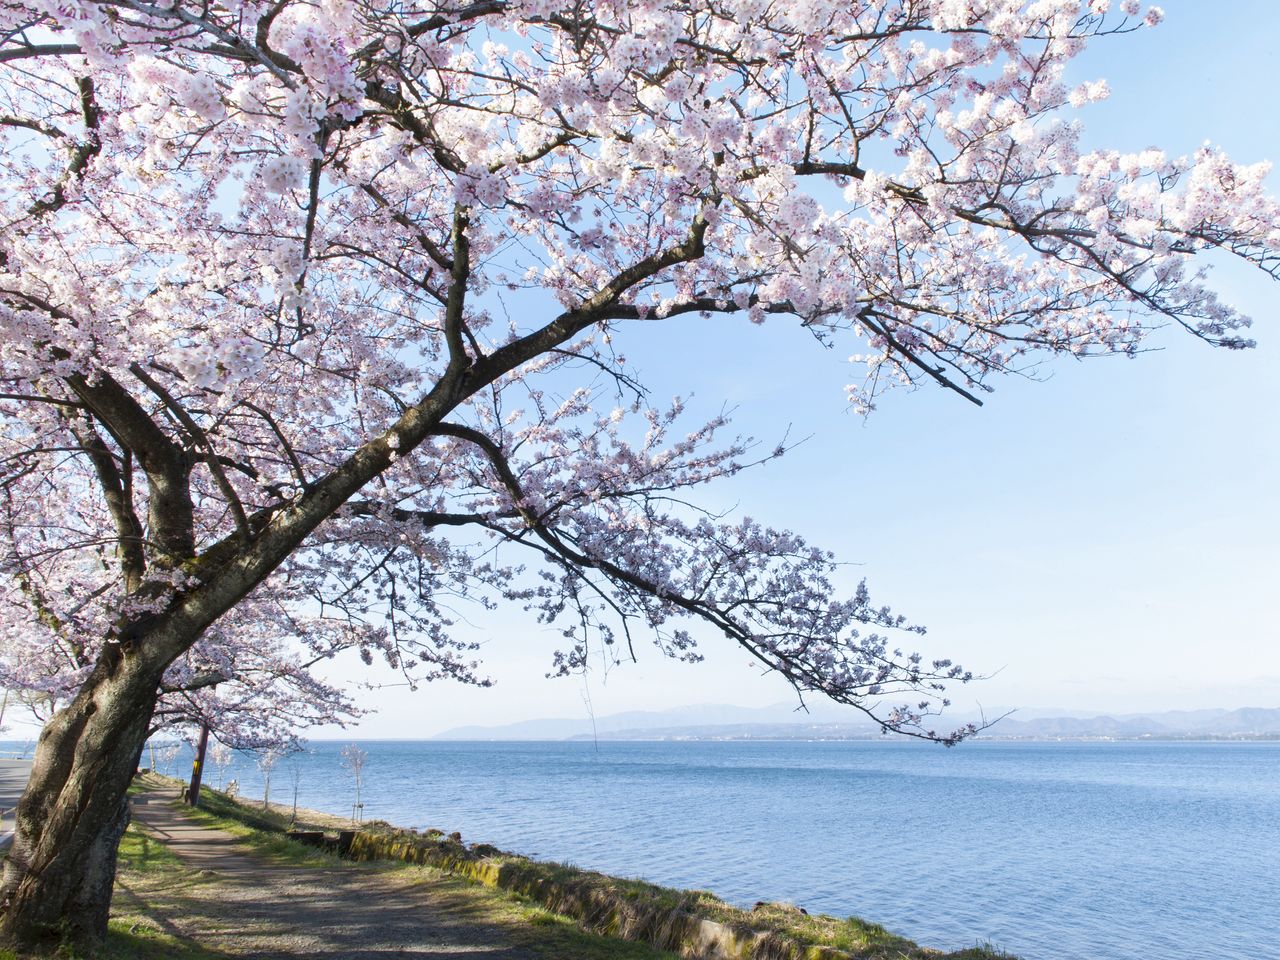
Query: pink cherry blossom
[264, 397]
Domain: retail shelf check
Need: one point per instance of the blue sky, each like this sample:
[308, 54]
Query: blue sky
[1103, 540]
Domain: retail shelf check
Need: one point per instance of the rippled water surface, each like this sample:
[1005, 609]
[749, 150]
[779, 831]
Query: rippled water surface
[1053, 851]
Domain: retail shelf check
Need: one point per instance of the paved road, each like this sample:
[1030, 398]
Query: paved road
[13, 780]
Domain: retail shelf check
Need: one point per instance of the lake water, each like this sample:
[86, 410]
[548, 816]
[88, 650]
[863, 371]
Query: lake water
[1053, 851]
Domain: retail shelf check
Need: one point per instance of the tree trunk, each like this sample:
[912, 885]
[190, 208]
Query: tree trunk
[60, 872]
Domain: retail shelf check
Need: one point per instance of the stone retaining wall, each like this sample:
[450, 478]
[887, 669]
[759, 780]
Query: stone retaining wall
[589, 904]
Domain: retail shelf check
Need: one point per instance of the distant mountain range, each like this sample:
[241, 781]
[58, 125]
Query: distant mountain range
[645, 721]
[782, 722]
[1245, 723]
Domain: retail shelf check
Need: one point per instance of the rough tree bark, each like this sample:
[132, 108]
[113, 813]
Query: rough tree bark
[59, 875]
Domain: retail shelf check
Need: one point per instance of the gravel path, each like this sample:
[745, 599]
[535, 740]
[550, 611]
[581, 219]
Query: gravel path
[246, 906]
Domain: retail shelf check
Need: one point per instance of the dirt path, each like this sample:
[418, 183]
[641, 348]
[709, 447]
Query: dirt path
[245, 905]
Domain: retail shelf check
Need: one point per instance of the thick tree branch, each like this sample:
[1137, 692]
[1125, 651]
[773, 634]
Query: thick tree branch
[201, 439]
[171, 512]
[28, 50]
[115, 492]
[593, 310]
[200, 681]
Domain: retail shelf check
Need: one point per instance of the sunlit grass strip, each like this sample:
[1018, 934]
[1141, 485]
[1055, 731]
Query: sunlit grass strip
[131, 934]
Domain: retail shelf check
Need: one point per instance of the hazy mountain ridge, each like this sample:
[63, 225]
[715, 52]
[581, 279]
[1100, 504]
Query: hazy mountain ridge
[699, 715]
[781, 722]
[1246, 722]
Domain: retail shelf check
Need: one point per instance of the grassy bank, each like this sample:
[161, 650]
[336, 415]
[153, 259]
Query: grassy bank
[134, 933]
[689, 923]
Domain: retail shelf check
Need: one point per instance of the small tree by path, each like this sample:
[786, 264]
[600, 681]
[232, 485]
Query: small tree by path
[267, 759]
[168, 754]
[295, 774]
[220, 756]
[353, 758]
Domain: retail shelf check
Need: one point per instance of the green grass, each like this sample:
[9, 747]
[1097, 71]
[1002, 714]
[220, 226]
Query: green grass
[142, 853]
[554, 937]
[131, 934]
[262, 829]
[139, 938]
[131, 938]
[981, 951]
[268, 842]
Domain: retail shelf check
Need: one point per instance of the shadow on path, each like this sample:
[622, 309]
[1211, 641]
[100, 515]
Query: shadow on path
[249, 906]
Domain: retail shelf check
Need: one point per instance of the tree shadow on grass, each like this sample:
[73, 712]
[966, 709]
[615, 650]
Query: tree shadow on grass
[247, 905]
[148, 938]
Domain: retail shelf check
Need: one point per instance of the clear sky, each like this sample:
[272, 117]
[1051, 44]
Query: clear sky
[1104, 540]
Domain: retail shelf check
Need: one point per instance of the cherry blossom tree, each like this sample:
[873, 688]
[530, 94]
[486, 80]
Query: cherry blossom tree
[266, 761]
[220, 756]
[308, 317]
[354, 759]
